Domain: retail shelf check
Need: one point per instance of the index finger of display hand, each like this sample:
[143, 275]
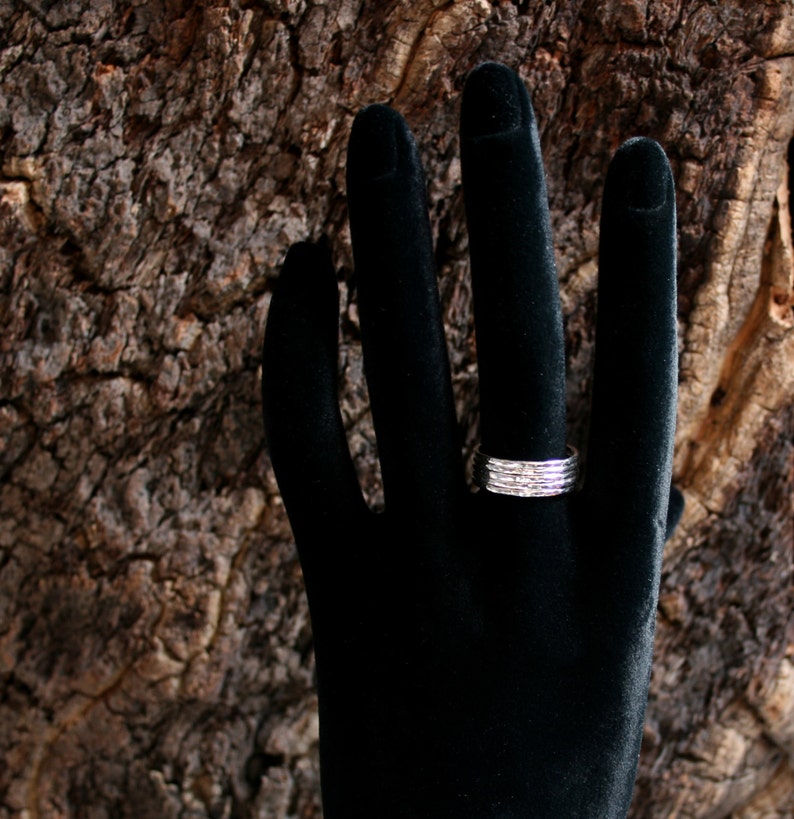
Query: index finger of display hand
[405, 353]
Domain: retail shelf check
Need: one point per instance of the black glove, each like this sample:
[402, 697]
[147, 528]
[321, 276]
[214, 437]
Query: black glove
[479, 655]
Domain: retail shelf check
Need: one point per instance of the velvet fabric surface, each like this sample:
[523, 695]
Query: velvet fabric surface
[479, 655]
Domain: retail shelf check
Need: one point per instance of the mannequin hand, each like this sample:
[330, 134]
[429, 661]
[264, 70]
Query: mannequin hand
[479, 655]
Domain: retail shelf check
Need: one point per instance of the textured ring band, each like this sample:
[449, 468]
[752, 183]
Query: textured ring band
[527, 479]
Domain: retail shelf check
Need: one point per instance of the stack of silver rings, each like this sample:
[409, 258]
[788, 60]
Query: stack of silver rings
[527, 479]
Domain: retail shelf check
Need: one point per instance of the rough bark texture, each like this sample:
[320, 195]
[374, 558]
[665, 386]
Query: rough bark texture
[158, 157]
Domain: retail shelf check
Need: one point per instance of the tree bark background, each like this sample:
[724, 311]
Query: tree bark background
[157, 159]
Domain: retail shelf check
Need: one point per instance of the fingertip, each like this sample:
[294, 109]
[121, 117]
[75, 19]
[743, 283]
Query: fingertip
[303, 313]
[639, 176]
[306, 261]
[494, 101]
[307, 281]
[306, 254]
[374, 147]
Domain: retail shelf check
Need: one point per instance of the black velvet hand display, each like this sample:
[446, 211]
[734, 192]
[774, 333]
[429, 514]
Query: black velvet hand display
[479, 655]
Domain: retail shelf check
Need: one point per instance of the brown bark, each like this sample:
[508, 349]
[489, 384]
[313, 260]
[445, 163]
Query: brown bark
[157, 160]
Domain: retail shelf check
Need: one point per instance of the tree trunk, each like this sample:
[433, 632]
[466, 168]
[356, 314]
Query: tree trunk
[158, 157]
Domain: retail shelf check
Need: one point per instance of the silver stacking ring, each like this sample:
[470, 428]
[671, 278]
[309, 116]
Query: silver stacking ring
[527, 479]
